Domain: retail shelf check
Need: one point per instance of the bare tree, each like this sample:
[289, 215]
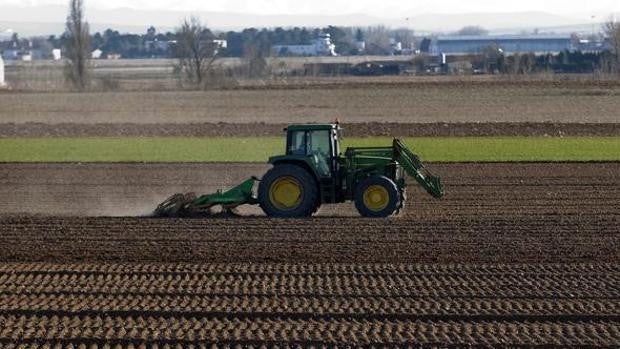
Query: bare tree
[256, 62]
[527, 63]
[612, 31]
[77, 48]
[378, 40]
[405, 36]
[493, 58]
[196, 50]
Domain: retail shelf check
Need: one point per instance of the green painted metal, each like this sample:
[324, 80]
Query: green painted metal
[291, 158]
[311, 127]
[301, 160]
[237, 196]
[390, 162]
[414, 167]
[359, 163]
[337, 185]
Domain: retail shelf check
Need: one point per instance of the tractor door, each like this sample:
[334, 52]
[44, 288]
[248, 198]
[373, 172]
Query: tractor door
[318, 146]
[322, 148]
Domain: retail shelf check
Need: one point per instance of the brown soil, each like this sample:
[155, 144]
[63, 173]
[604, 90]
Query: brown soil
[519, 255]
[321, 305]
[365, 129]
[389, 100]
[507, 213]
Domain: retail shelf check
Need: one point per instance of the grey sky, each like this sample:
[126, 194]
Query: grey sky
[391, 8]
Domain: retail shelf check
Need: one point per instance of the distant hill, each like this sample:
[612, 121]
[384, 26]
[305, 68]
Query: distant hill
[492, 21]
[49, 20]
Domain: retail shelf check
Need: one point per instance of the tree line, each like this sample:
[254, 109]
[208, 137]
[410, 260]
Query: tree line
[196, 51]
[133, 46]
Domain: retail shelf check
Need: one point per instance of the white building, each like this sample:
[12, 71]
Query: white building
[2, 83]
[221, 43]
[156, 45]
[322, 46]
[360, 46]
[396, 46]
[96, 54]
[56, 54]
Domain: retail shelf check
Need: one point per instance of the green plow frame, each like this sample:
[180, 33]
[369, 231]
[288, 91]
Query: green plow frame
[187, 205]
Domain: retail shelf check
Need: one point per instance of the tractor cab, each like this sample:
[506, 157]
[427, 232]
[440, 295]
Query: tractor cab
[320, 143]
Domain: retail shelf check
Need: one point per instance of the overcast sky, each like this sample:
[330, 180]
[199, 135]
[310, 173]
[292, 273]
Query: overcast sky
[393, 8]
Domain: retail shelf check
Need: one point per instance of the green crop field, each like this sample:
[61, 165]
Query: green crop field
[482, 149]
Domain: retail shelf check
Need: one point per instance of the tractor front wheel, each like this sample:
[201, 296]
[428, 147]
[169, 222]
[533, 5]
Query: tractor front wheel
[377, 197]
[288, 191]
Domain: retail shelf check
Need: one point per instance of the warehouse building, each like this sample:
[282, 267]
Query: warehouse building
[509, 44]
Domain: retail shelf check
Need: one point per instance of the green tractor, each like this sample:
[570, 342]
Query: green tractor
[313, 172]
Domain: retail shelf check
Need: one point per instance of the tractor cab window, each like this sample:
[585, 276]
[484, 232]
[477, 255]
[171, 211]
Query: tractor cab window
[314, 144]
[319, 148]
[298, 143]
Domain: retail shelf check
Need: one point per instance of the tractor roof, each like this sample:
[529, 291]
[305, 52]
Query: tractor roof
[311, 127]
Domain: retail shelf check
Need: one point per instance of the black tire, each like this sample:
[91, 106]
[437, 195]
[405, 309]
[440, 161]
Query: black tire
[308, 197]
[393, 197]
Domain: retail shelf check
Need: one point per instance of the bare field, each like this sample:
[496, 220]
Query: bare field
[245, 305]
[408, 101]
[365, 129]
[518, 255]
[506, 213]
[515, 255]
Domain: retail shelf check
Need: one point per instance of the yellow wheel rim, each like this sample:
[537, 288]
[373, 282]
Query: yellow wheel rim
[285, 193]
[376, 198]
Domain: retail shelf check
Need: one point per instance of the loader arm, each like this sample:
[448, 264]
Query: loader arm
[412, 164]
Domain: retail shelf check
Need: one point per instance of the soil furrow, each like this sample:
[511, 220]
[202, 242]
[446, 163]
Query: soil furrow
[191, 330]
[361, 129]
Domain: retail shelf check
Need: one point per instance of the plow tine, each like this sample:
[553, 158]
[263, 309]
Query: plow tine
[174, 206]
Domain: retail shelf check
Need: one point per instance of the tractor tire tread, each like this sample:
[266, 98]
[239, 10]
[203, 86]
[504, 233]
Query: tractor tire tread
[394, 202]
[310, 197]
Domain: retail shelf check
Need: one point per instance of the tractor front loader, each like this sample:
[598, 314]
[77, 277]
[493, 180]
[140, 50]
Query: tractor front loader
[312, 172]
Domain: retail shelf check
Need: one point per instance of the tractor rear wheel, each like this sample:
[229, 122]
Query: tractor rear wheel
[288, 191]
[377, 197]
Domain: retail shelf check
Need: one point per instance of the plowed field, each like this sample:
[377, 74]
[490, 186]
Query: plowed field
[516, 255]
[319, 304]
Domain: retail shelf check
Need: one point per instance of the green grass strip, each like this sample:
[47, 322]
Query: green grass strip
[247, 149]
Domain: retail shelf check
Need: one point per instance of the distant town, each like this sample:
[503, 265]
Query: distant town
[469, 50]
[329, 41]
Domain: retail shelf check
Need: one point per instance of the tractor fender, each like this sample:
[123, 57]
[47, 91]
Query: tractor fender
[302, 161]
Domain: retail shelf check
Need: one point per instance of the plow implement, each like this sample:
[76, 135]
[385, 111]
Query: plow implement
[188, 205]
